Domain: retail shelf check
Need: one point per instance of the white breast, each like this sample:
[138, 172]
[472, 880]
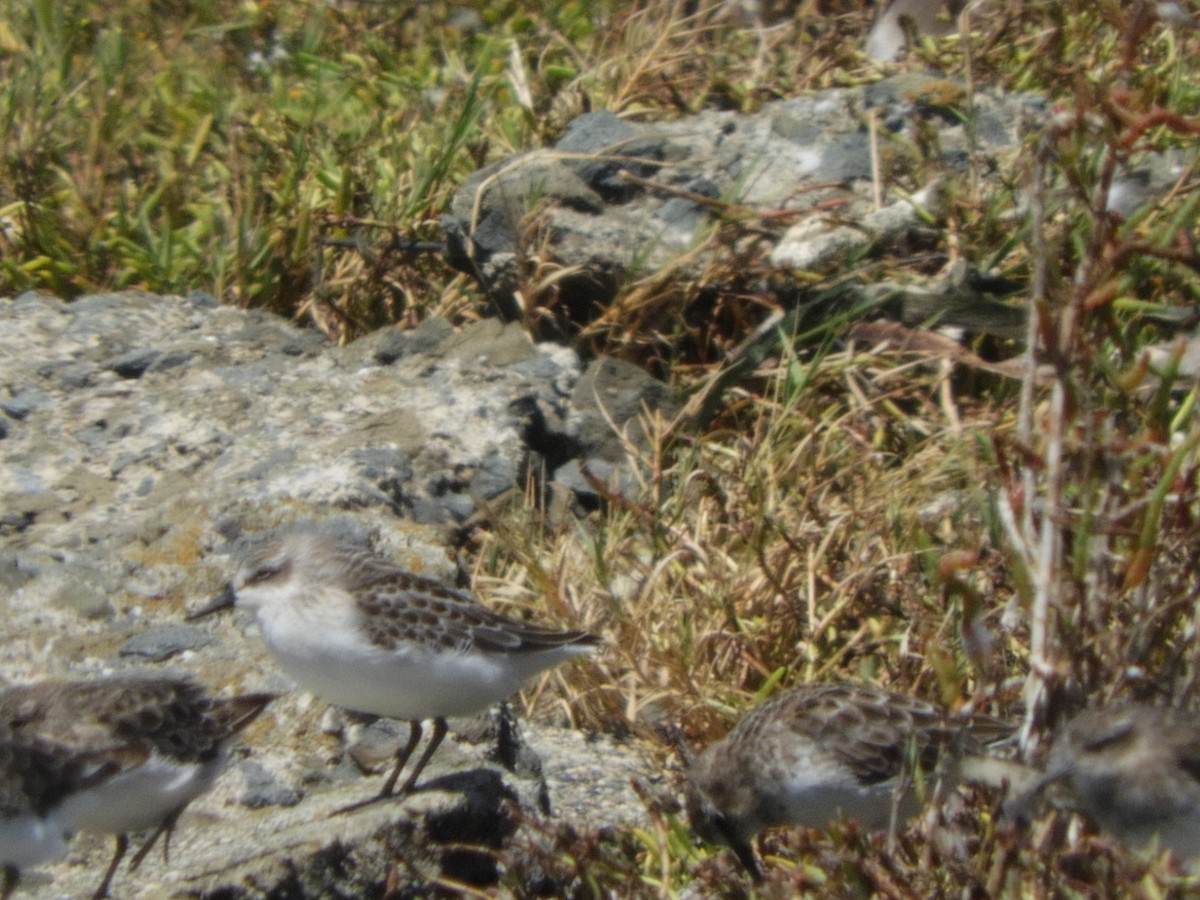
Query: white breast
[812, 787]
[139, 798]
[409, 682]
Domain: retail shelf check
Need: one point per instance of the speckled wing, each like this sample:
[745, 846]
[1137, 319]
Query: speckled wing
[874, 732]
[399, 607]
[176, 717]
[35, 775]
[884, 728]
[172, 716]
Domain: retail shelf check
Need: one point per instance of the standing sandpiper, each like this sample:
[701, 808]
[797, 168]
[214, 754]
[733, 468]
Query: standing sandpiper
[369, 636]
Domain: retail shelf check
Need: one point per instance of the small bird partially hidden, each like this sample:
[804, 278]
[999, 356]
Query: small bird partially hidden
[925, 18]
[1133, 770]
[898, 19]
[822, 752]
[364, 634]
[178, 735]
[35, 778]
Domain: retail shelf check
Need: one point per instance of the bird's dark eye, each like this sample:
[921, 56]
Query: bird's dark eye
[264, 573]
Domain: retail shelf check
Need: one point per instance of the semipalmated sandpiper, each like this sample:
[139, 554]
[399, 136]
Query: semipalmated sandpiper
[180, 735]
[1134, 770]
[822, 752]
[369, 636]
[35, 778]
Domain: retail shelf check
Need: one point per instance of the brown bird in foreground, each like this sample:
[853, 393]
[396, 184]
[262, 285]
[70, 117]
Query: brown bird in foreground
[822, 752]
[174, 737]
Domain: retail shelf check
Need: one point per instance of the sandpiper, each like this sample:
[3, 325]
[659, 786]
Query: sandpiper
[369, 636]
[178, 734]
[822, 752]
[1134, 770]
[35, 778]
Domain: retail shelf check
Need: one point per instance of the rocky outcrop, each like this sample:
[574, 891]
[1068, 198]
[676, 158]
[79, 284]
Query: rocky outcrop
[791, 188]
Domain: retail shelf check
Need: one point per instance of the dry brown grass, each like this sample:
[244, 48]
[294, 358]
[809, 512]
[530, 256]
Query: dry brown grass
[919, 523]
